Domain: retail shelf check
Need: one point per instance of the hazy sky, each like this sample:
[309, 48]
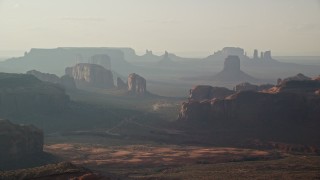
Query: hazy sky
[188, 27]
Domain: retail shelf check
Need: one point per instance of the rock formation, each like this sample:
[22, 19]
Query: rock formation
[65, 81]
[121, 84]
[255, 54]
[251, 87]
[136, 84]
[46, 77]
[267, 55]
[232, 73]
[292, 111]
[102, 60]
[200, 93]
[166, 60]
[91, 75]
[298, 77]
[317, 78]
[25, 94]
[232, 51]
[18, 141]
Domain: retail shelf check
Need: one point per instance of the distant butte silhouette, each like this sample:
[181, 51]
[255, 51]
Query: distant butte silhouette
[232, 73]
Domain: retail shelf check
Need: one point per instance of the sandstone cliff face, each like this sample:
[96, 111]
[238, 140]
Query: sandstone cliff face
[200, 93]
[25, 94]
[137, 84]
[91, 75]
[17, 141]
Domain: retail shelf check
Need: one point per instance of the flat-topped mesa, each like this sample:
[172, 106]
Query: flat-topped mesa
[91, 75]
[267, 55]
[137, 85]
[232, 51]
[101, 59]
[18, 141]
[204, 92]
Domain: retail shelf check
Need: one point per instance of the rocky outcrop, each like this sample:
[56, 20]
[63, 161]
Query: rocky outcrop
[91, 75]
[298, 77]
[121, 84]
[251, 87]
[137, 84]
[255, 54]
[267, 55]
[102, 60]
[232, 72]
[293, 111]
[65, 81]
[18, 141]
[46, 77]
[298, 86]
[200, 93]
[25, 94]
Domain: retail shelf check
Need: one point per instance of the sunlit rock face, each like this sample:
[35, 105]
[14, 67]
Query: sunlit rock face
[17, 141]
[137, 85]
[203, 92]
[101, 59]
[298, 84]
[91, 75]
